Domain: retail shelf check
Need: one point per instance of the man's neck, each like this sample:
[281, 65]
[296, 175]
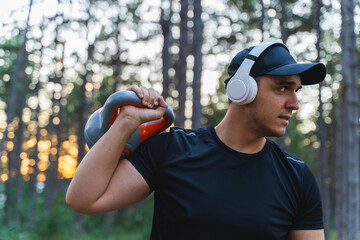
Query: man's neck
[235, 133]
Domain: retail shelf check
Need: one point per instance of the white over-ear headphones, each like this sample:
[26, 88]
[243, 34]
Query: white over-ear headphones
[242, 88]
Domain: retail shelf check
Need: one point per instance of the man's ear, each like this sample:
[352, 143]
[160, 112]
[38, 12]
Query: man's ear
[258, 80]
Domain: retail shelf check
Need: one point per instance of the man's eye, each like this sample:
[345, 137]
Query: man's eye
[283, 89]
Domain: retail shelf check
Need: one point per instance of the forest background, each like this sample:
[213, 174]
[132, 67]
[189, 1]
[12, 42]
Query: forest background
[60, 60]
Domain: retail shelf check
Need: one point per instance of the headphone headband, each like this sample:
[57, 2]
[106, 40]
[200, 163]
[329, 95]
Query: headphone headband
[242, 88]
[259, 49]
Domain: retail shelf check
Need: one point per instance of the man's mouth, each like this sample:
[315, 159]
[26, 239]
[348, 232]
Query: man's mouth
[285, 118]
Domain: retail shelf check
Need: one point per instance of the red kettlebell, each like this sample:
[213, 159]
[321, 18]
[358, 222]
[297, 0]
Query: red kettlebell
[101, 120]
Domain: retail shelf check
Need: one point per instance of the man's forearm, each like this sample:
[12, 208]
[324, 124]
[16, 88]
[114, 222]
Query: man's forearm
[97, 167]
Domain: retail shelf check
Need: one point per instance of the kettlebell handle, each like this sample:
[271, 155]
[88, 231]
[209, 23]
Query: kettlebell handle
[101, 120]
[112, 106]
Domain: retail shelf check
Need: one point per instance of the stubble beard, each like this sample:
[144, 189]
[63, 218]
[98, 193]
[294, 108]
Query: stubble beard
[261, 126]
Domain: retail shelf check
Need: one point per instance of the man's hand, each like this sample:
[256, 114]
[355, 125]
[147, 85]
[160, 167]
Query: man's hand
[155, 107]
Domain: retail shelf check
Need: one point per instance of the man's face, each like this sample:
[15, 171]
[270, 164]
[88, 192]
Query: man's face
[271, 110]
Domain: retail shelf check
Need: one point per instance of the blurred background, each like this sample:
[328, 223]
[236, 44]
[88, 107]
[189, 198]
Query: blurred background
[60, 60]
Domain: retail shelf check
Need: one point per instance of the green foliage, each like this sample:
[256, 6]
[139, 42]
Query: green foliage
[9, 232]
[57, 224]
[301, 145]
[73, 102]
[216, 109]
[8, 53]
[105, 90]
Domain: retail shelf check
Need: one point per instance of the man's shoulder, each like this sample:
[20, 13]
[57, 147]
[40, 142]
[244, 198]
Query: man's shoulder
[189, 135]
[293, 160]
[177, 134]
[190, 132]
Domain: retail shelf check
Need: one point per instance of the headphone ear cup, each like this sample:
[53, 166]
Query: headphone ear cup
[253, 89]
[237, 90]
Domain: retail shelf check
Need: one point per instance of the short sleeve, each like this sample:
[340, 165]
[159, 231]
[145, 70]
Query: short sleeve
[147, 157]
[310, 209]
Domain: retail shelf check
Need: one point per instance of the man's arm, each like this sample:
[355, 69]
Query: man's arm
[306, 235]
[103, 183]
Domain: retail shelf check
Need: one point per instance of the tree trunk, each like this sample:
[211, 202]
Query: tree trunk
[33, 180]
[51, 184]
[33, 176]
[340, 165]
[12, 105]
[19, 149]
[109, 219]
[197, 45]
[321, 133]
[165, 23]
[117, 66]
[323, 171]
[182, 66]
[262, 19]
[283, 20]
[19, 68]
[350, 96]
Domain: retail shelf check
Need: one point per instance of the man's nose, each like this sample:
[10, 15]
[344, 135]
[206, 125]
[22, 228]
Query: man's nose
[292, 102]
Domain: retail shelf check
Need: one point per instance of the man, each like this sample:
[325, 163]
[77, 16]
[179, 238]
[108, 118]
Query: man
[222, 182]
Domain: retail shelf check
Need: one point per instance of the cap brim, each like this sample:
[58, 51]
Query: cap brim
[310, 73]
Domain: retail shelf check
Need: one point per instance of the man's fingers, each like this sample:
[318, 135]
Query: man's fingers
[144, 114]
[154, 114]
[146, 98]
[149, 96]
[162, 103]
[154, 96]
[137, 90]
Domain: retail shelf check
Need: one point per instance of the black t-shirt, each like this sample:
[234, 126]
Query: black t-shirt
[205, 190]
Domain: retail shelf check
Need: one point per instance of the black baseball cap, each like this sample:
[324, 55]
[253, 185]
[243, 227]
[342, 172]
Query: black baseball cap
[276, 60]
